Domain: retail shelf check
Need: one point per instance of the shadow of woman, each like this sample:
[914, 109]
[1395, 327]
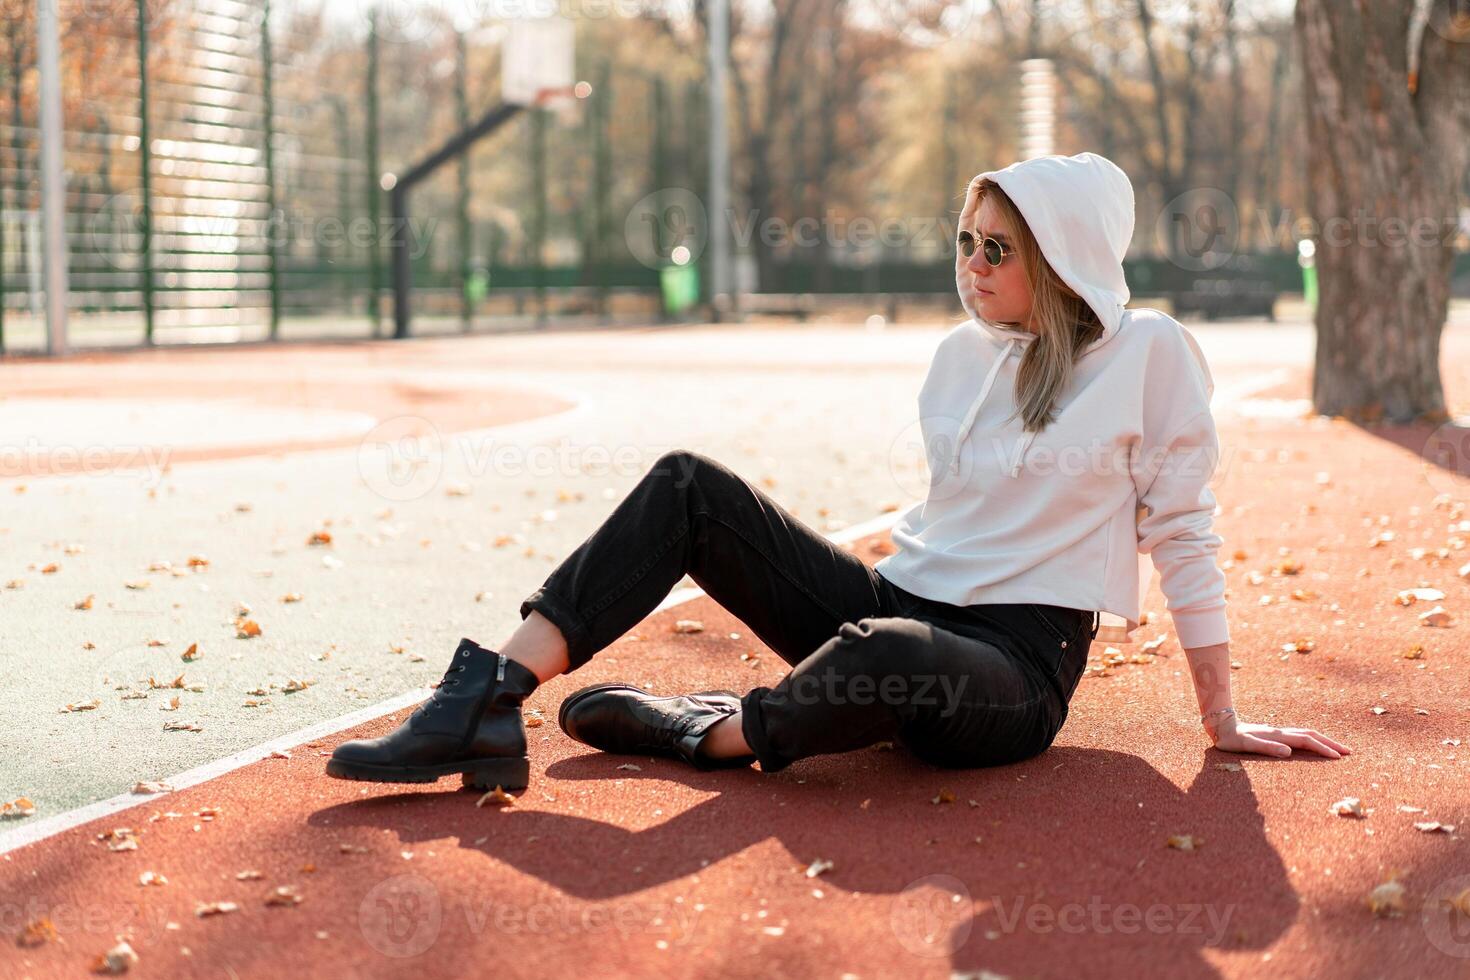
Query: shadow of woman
[1035, 867]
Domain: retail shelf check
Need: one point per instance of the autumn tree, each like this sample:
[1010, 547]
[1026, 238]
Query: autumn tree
[1388, 108]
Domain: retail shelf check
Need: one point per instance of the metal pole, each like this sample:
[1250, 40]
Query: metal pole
[145, 167]
[374, 189]
[719, 156]
[53, 186]
[270, 171]
[538, 218]
[462, 105]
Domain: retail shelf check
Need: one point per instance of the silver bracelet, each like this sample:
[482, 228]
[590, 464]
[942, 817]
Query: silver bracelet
[1217, 711]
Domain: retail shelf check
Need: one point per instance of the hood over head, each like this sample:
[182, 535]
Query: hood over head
[1080, 211]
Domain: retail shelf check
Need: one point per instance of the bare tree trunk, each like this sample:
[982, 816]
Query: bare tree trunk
[1384, 162]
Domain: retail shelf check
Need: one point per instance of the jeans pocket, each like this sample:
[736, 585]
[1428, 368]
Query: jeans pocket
[1055, 651]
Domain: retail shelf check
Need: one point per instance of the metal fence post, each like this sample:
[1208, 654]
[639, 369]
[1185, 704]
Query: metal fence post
[145, 168]
[461, 98]
[375, 215]
[270, 169]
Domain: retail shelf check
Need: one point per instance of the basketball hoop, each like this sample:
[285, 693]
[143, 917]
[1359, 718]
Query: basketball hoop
[564, 100]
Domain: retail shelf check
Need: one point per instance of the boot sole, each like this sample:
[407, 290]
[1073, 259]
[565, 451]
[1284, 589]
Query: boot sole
[481, 773]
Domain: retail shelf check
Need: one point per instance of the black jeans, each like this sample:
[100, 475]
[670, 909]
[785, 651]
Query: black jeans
[958, 686]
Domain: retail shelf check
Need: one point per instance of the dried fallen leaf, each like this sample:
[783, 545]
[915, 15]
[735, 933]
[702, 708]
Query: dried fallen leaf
[192, 654]
[246, 628]
[36, 932]
[84, 603]
[20, 807]
[116, 960]
[1436, 617]
[248, 875]
[1185, 842]
[818, 866]
[498, 796]
[151, 878]
[1349, 806]
[1429, 826]
[320, 538]
[1387, 899]
[119, 839]
[293, 685]
[138, 585]
[214, 908]
[688, 626]
[945, 796]
[182, 726]
[631, 767]
[81, 706]
[291, 597]
[1415, 652]
[1228, 766]
[284, 895]
[152, 787]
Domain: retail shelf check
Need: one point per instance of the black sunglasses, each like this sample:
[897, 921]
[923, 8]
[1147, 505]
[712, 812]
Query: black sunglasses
[994, 251]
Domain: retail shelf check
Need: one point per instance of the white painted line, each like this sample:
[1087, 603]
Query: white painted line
[31, 833]
[49, 827]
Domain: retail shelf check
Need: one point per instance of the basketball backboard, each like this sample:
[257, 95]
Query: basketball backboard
[536, 59]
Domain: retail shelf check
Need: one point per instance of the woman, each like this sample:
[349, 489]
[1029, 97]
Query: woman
[965, 646]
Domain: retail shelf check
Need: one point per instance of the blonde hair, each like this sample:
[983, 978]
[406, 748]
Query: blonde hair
[1063, 322]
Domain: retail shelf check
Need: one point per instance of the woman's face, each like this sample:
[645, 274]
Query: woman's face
[1000, 293]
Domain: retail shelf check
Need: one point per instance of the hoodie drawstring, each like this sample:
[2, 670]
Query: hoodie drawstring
[974, 411]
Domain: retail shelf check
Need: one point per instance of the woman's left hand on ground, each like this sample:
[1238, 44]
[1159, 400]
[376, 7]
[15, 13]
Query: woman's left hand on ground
[1242, 736]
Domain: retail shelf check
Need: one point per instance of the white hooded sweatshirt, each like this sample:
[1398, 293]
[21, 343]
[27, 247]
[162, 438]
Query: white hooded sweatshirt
[1062, 516]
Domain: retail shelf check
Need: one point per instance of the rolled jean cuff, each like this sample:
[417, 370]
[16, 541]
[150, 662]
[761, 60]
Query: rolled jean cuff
[565, 619]
[753, 727]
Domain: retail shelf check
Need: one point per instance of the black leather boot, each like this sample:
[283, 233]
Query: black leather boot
[471, 725]
[629, 720]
